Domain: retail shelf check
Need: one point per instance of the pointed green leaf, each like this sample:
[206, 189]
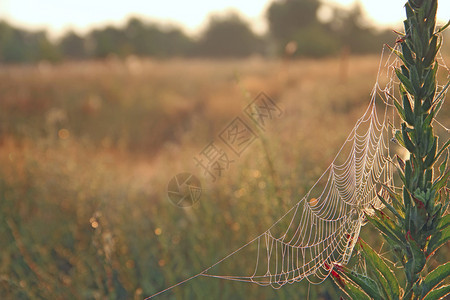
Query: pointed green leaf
[395, 198]
[428, 102]
[401, 162]
[430, 82]
[405, 81]
[430, 56]
[368, 285]
[443, 166]
[435, 277]
[436, 294]
[438, 239]
[419, 256]
[399, 55]
[409, 115]
[410, 44]
[431, 17]
[405, 70]
[399, 138]
[442, 150]
[416, 37]
[380, 266]
[437, 103]
[408, 58]
[409, 272]
[441, 181]
[409, 11]
[381, 226]
[349, 289]
[406, 139]
[428, 178]
[400, 110]
[406, 26]
[388, 223]
[429, 160]
[408, 175]
[444, 222]
[429, 118]
[414, 78]
[391, 208]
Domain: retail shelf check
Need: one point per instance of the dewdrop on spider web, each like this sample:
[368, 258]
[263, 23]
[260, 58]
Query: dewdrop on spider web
[313, 202]
[320, 231]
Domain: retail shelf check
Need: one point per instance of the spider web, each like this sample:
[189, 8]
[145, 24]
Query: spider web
[322, 228]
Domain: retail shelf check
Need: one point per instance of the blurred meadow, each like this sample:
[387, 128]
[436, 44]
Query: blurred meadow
[94, 127]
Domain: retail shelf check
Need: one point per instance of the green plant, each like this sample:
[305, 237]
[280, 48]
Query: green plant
[416, 224]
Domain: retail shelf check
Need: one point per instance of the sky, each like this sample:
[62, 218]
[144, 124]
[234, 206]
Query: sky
[57, 16]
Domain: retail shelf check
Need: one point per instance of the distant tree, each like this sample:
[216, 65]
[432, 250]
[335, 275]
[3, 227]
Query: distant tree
[316, 41]
[72, 46]
[296, 21]
[141, 37]
[286, 17]
[18, 45]
[46, 49]
[291, 22]
[176, 42]
[11, 44]
[107, 41]
[355, 33]
[228, 36]
[154, 40]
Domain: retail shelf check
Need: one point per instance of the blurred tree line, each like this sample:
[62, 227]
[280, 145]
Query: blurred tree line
[290, 22]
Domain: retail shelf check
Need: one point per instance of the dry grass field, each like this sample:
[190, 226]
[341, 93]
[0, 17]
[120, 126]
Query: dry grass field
[87, 150]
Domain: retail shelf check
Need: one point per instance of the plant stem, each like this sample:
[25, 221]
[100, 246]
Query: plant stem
[417, 75]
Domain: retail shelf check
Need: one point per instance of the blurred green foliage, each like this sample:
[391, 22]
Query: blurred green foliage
[227, 35]
[286, 17]
[18, 45]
